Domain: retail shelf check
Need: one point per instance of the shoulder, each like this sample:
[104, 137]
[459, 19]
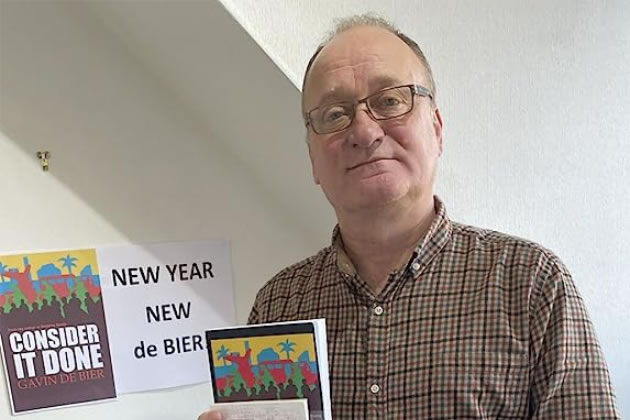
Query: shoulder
[519, 264]
[296, 275]
[281, 295]
[505, 249]
[521, 267]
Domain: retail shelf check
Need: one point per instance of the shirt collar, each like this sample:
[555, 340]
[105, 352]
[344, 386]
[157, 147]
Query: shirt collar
[427, 248]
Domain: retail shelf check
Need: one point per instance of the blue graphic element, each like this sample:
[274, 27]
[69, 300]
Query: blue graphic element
[48, 270]
[267, 354]
[304, 357]
[7, 286]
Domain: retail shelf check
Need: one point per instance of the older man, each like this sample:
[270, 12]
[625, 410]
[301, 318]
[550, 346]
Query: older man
[426, 318]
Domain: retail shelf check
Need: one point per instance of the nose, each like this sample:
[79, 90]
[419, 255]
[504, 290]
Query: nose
[364, 131]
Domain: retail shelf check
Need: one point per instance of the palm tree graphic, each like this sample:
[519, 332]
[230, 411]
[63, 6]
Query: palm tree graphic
[2, 269]
[287, 347]
[68, 262]
[222, 352]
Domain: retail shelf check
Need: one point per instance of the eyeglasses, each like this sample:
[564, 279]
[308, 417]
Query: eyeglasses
[385, 104]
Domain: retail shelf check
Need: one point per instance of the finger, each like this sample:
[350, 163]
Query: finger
[210, 415]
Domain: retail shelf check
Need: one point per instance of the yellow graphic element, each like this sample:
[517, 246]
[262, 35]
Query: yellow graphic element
[302, 343]
[77, 260]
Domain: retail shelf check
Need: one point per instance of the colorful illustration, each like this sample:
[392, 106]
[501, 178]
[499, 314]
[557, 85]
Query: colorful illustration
[263, 364]
[52, 323]
[49, 281]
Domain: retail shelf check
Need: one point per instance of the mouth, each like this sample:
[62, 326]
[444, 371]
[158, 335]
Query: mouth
[369, 162]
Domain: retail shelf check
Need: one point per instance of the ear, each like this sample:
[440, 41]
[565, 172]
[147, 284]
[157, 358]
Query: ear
[437, 127]
[310, 156]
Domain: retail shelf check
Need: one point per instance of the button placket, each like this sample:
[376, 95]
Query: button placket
[378, 342]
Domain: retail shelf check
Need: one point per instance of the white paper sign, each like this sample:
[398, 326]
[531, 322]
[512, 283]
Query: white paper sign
[159, 299]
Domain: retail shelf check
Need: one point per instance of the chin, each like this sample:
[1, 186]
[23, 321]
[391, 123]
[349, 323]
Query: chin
[377, 197]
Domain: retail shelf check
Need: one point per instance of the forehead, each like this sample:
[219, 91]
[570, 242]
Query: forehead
[358, 62]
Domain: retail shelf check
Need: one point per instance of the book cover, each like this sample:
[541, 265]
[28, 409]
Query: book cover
[271, 362]
[54, 338]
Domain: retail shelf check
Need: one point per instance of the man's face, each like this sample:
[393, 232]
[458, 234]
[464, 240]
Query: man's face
[372, 163]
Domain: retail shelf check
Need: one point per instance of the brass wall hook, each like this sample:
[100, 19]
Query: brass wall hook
[43, 157]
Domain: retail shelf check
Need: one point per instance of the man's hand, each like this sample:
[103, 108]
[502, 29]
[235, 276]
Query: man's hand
[210, 415]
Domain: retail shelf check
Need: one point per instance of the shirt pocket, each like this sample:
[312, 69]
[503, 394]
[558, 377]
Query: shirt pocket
[483, 384]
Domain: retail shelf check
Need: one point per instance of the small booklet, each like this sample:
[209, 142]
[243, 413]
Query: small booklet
[278, 361]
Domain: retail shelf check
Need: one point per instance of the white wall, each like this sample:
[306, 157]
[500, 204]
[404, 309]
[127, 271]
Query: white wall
[536, 101]
[534, 96]
[128, 165]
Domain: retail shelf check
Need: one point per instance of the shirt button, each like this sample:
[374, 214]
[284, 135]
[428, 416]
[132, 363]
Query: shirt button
[415, 266]
[378, 310]
[375, 388]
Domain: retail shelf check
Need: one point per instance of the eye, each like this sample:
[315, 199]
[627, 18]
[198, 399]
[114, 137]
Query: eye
[333, 114]
[390, 101]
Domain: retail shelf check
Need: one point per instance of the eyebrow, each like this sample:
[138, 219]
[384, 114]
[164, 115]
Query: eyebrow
[334, 96]
[340, 94]
[382, 82]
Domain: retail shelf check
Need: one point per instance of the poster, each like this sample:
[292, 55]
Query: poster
[54, 335]
[159, 300]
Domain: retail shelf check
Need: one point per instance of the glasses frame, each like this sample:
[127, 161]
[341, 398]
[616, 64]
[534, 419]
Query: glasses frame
[416, 90]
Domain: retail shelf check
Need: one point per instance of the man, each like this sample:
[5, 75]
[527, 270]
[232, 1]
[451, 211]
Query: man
[426, 318]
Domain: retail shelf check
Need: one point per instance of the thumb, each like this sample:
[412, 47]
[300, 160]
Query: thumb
[211, 415]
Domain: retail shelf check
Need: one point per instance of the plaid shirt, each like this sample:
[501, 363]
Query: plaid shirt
[478, 324]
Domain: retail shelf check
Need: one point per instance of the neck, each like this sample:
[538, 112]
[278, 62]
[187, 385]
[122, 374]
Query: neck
[382, 240]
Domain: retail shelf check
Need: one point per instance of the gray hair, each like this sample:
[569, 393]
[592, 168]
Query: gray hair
[371, 19]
